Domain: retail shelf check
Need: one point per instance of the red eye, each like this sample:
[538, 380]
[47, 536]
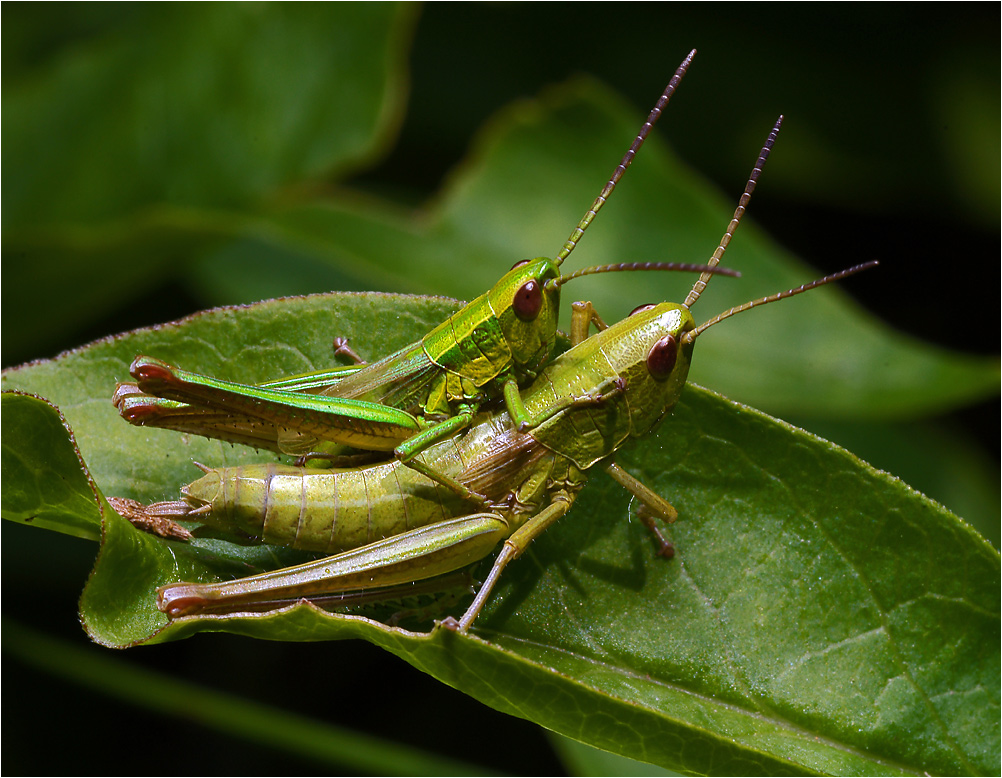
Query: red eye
[528, 300]
[640, 308]
[520, 263]
[661, 359]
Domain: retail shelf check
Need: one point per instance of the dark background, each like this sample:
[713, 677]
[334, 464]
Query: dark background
[885, 107]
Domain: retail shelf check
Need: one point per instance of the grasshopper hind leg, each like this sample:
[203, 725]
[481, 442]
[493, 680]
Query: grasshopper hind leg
[393, 563]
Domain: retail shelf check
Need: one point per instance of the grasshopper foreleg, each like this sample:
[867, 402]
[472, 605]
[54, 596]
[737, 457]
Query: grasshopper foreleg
[652, 504]
[583, 315]
[609, 388]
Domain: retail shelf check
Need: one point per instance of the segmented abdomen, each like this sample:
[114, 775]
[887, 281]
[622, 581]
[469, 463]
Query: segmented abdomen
[319, 510]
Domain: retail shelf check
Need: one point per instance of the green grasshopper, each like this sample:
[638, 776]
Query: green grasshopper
[409, 400]
[399, 527]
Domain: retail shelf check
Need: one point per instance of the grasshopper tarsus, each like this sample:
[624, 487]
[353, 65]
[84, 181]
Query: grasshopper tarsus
[603, 395]
[665, 547]
[341, 348]
[153, 519]
[619, 386]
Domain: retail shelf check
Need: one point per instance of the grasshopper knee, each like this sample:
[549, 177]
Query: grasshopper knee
[180, 600]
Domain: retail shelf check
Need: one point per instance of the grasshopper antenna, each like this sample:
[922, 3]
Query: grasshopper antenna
[691, 336]
[655, 113]
[685, 267]
[700, 285]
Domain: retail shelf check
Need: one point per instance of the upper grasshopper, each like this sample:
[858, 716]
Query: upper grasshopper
[399, 527]
[409, 400]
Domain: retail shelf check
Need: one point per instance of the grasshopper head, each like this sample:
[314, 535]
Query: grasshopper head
[649, 351]
[526, 307]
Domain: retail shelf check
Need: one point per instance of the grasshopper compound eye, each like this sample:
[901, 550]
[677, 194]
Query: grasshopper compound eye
[639, 308]
[661, 358]
[528, 301]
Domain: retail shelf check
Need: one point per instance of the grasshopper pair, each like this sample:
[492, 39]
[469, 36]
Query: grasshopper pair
[410, 400]
[526, 463]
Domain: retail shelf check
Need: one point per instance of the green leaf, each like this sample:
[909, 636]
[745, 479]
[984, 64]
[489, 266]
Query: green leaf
[295, 94]
[820, 616]
[181, 117]
[45, 482]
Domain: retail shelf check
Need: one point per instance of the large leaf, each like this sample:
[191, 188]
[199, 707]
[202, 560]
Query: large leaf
[819, 616]
[46, 484]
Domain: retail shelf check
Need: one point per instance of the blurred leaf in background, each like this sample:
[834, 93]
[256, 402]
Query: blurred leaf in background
[165, 158]
[152, 136]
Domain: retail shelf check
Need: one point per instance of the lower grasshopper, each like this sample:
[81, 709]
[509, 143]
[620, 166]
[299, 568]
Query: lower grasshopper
[607, 389]
[409, 400]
